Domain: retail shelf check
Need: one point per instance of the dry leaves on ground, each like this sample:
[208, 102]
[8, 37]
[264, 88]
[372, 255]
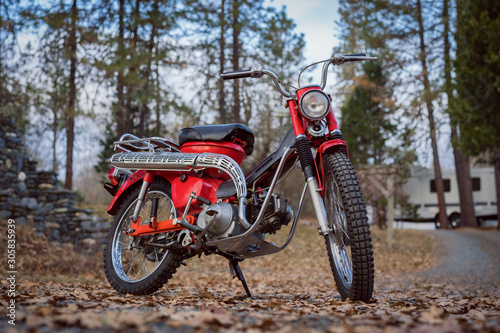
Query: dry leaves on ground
[293, 291]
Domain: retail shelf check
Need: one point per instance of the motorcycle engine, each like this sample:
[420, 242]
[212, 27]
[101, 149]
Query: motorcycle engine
[221, 219]
[277, 212]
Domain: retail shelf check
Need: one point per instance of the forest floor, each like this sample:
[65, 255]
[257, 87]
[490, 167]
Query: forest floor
[432, 281]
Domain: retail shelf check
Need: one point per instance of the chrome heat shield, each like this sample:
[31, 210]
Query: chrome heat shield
[175, 161]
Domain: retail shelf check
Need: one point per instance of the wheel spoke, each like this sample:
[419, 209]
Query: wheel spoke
[339, 239]
[161, 208]
[143, 265]
[343, 196]
[132, 261]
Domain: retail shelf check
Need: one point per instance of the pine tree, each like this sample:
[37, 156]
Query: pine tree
[12, 92]
[462, 165]
[367, 117]
[133, 36]
[395, 27]
[60, 62]
[478, 84]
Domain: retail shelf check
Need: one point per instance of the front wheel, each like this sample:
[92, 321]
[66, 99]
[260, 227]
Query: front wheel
[349, 243]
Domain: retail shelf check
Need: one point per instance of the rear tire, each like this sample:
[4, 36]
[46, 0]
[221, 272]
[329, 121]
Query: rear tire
[454, 220]
[349, 245]
[131, 266]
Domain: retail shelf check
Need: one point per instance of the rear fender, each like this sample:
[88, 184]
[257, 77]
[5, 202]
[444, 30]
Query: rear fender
[134, 181]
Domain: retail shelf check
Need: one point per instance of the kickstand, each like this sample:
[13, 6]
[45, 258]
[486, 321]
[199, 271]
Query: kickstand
[236, 272]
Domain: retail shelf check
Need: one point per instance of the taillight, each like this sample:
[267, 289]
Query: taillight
[111, 176]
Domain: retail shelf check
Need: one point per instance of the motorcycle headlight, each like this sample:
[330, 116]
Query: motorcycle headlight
[314, 104]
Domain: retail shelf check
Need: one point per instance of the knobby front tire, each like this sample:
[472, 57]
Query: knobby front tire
[349, 244]
[132, 266]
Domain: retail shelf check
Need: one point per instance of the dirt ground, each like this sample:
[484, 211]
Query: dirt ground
[438, 281]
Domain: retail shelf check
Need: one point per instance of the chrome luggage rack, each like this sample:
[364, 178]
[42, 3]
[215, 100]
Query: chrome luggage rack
[131, 143]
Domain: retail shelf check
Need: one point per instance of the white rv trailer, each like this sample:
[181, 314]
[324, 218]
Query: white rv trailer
[421, 191]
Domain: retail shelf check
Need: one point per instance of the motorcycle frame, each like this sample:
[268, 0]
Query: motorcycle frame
[313, 184]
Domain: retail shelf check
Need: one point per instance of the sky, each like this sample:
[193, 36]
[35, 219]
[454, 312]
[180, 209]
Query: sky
[316, 19]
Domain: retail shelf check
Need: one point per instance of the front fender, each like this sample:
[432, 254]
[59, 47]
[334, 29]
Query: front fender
[327, 147]
[332, 145]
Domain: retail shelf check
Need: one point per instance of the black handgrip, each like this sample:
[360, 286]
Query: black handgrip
[203, 200]
[355, 55]
[236, 75]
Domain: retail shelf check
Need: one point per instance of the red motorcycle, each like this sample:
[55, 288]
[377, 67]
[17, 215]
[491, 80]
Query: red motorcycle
[175, 201]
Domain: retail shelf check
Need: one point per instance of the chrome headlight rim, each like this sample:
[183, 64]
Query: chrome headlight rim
[308, 116]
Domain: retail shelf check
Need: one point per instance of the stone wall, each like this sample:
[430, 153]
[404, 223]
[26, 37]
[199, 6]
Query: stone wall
[34, 197]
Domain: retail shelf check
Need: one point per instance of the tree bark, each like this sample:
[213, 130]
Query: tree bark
[70, 116]
[120, 105]
[432, 126]
[497, 183]
[143, 110]
[55, 123]
[467, 215]
[55, 126]
[157, 92]
[236, 59]
[222, 60]
[2, 78]
[131, 82]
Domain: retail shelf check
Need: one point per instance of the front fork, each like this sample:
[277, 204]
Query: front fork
[319, 206]
[307, 164]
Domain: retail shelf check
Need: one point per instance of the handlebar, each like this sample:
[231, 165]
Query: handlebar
[258, 72]
[236, 75]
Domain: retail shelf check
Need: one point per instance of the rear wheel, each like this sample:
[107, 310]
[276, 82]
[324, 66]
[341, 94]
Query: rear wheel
[454, 220]
[132, 265]
[349, 244]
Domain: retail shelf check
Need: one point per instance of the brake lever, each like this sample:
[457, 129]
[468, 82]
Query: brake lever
[337, 59]
[257, 72]
[340, 58]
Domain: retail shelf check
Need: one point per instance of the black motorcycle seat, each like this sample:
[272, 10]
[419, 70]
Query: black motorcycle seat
[214, 133]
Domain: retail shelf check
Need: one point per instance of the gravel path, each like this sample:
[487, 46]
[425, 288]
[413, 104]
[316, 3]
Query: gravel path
[468, 257]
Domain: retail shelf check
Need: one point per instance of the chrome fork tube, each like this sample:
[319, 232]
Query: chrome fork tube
[140, 201]
[319, 205]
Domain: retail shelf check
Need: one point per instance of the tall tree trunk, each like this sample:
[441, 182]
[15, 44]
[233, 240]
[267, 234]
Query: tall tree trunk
[54, 141]
[236, 59]
[497, 184]
[467, 216]
[143, 110]
[120, 105]
[55, 122]
[157, 92]
[70, 117]
[131, 83]
[432, 126]
[2, 97]
[222, 59]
